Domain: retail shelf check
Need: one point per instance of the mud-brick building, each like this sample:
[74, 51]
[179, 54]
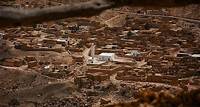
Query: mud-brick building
[188, 25]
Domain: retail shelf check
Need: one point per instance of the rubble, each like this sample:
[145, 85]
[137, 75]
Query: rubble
[104, 101]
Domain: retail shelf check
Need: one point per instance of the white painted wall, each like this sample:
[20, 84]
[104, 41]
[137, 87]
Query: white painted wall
[106, 56]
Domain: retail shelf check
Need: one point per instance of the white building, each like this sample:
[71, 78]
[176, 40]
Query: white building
[134, 53]
[107, 56]
[195, 56]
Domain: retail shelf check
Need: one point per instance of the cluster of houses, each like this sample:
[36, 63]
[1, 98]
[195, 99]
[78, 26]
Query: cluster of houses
[146, 49]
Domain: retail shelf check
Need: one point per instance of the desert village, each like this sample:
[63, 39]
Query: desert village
[107, 61]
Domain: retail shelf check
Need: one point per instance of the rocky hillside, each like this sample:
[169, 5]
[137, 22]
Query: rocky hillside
[164, 99]
[192, 11]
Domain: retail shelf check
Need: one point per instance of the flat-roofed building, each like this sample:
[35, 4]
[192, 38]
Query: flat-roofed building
[107, 56]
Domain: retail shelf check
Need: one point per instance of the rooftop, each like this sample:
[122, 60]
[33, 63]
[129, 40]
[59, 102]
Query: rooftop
[107, 54]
